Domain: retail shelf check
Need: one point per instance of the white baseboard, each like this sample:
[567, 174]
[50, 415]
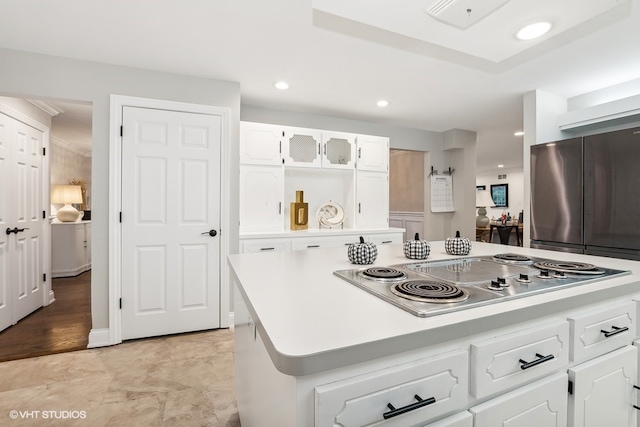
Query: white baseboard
[99, 338]
[231, 319]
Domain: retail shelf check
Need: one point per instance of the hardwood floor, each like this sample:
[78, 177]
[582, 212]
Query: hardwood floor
[59, 327]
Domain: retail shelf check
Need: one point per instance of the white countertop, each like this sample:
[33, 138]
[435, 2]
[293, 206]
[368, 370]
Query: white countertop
[312, 321]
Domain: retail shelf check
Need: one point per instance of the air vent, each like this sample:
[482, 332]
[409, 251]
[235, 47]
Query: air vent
[462, 13]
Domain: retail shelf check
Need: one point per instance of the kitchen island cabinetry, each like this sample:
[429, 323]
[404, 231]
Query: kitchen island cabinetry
[601, 391]
[540, 404]
[310, 346]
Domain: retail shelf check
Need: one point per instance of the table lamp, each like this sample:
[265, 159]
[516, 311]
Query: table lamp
[67, 194]
[483, 199]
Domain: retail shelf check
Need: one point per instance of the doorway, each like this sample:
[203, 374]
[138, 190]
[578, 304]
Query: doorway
[63, 324]
[406, 191]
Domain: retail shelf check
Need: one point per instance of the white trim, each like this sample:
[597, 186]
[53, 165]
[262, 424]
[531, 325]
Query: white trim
[70, 147]
[99, 338]
[115, 197]
[48, 108]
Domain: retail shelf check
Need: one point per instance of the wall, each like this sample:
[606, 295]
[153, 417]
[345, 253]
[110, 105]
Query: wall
[515, 179]
[28, 75]
[65, 165]
[454, 148]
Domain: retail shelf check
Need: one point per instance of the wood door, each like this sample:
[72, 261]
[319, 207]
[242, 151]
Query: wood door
[21, 207]
[171, 201]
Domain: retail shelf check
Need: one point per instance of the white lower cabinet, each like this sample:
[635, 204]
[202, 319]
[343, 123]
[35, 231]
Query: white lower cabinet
[500, 364]
[463, 419]
[409, 394]
[602, 392]
[70, 248]
[539, 404]
[265, 245]
[372, 199]
[261, 198]
[311, 241]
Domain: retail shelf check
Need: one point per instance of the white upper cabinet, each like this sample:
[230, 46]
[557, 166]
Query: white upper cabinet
[338, 150]
[302, 147]
[373, 153]
[260, 144]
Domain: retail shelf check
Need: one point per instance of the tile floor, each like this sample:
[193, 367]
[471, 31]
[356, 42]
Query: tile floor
[180, 380]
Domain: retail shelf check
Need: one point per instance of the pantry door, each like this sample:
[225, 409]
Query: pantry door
[170, 222]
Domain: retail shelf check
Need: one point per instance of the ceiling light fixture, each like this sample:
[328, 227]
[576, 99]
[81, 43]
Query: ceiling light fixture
[533, 31]
[500, 166]
[518, 133]
[382, 103]
[282, 85]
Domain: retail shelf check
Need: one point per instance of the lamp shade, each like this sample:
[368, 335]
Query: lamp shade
[483, 199]
[66, 194]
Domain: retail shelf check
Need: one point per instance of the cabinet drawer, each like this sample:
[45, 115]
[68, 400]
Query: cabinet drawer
[502, 363]
[364, 400]
[264, 245]
[323, 242]
[382, 239]
[599, 332]
[541, 404]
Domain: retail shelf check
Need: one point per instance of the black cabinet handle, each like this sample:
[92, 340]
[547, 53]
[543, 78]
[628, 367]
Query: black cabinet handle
[540, 359]
[211, 233]
[267, 249]
[412, 406]
[637, 388]
[616, 331]
[313, 246]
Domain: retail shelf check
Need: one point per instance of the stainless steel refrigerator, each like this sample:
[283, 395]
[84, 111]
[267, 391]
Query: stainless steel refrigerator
[585, 195]
[556, 196]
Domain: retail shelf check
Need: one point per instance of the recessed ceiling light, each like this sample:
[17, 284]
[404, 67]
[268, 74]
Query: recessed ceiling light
[382, 103]
[500, 166]
[282, 85]
[533, 31]
[518, 133]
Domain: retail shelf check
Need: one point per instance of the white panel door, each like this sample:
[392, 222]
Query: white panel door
[6, 191]
[21, 222]
[28, 250]
[373, 153]
[170, 221]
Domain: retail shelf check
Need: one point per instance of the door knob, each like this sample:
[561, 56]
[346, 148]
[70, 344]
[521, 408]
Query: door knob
[211, 233]
[15, 230]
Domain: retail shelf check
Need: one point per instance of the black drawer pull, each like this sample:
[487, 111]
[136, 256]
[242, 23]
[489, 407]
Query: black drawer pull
[615, 331]
[313, 246]
[387, 241]
[267, 249]
[419, 404]
[540, 359]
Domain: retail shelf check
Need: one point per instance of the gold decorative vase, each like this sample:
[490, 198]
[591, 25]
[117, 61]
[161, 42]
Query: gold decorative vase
[299, 213]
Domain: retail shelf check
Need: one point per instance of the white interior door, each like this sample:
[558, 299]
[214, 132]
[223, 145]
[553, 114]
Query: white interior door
[6, 308]
[21, 207]
[170, 221]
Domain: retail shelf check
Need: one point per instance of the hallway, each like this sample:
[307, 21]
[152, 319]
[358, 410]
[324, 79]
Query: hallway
[59, 327]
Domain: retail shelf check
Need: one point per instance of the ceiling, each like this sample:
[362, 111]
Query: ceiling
[340, 57]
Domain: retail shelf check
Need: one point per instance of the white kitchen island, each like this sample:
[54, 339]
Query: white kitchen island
[314, 350]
